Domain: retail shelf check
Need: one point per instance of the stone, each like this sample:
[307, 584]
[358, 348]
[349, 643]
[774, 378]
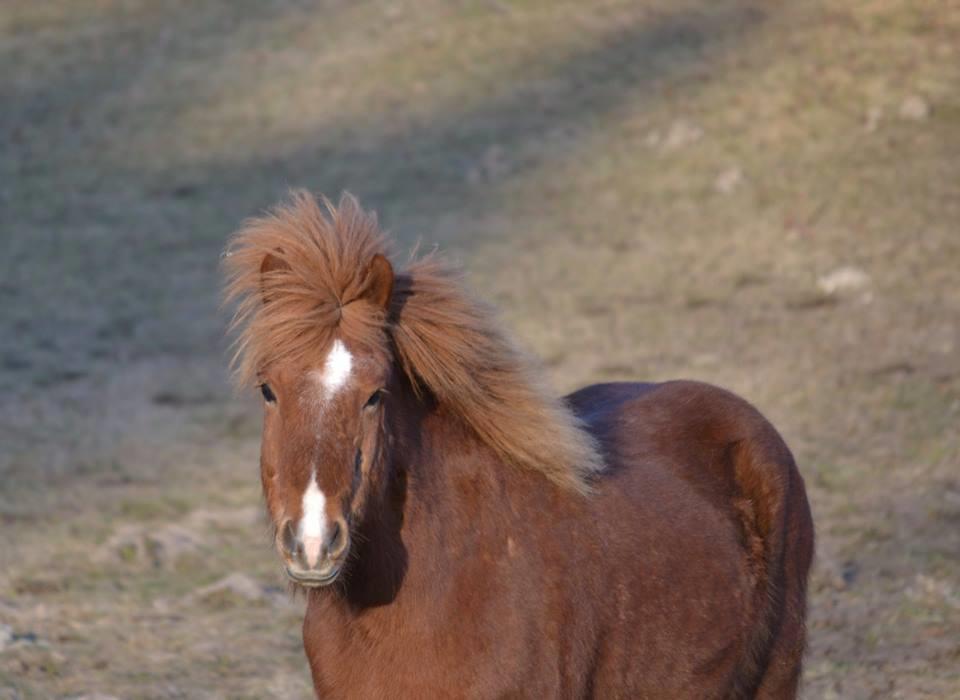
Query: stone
[729, 180]
[914, 108]
[161, 547]
[233, 590]
[843, 280]
[237, 583]
[171, 542]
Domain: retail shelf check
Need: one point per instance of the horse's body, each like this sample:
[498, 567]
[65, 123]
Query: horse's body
[664, 583]
[464, 534]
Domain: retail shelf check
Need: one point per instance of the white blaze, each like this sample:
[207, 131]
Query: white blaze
[336, 370]
[313, 522]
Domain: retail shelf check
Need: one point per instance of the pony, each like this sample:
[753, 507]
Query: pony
[462, 531]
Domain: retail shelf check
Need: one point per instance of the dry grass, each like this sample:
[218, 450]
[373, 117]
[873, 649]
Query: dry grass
[647, 190]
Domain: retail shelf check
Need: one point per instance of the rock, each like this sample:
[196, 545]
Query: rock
[843, 280]
[126, 545]
[170, 543]
[163, 544]
[238, 583]
[10, 639]
[914, 108]
[234, 589]
[161, 547]
[729, 180]
[681, 133]
[93, 696]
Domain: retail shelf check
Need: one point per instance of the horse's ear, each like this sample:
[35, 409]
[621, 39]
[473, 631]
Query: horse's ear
[270, 263]
[379, 281]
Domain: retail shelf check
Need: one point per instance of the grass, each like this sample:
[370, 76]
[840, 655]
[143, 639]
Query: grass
[570, 156]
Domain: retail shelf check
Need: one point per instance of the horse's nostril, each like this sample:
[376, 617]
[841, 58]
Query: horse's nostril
[288, 540]
[338, 537]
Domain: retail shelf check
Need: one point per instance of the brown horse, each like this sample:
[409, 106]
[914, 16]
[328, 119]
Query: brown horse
[462, 532]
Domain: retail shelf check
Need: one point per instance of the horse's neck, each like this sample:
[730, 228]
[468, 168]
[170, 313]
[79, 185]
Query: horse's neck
[444, 483]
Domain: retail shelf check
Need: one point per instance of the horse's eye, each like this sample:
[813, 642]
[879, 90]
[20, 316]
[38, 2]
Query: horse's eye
[374, 399]
[268, 394]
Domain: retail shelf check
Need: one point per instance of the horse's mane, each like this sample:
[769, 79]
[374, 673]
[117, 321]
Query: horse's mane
[446, 343]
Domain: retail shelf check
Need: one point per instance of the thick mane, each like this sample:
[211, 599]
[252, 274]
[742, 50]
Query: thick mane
[315, 282]
[445, 342]
[452, 346]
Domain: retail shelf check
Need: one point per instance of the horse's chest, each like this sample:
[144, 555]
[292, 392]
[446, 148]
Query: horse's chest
[462, 658]
[401, 666]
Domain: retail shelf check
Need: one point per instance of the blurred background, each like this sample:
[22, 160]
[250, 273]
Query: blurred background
[762, 195]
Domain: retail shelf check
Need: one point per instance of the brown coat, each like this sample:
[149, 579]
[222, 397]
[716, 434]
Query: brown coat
[465, 533]
[682, 576]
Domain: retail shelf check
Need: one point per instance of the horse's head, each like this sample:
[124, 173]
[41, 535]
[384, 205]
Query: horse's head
[323, 424]
[325, 331]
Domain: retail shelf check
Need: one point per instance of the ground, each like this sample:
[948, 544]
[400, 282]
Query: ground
[762, 195]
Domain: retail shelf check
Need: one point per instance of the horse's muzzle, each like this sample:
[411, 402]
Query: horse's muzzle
[314, 561]
[313, 579]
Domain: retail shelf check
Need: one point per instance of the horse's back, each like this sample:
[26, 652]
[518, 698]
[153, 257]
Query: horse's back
[705, 523]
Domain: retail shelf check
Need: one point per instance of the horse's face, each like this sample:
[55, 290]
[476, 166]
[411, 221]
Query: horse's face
[322, 431]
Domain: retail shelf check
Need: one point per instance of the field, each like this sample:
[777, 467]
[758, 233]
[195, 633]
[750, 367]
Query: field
[763, 195]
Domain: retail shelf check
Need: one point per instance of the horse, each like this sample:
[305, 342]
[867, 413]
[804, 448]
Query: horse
[461, 531]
